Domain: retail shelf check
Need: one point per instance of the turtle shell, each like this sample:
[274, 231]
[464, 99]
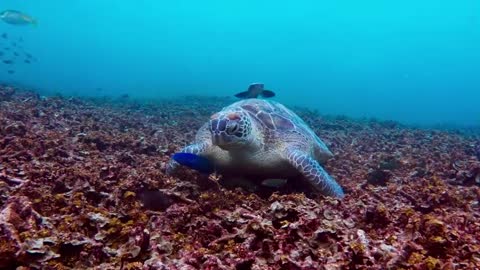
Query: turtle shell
[278, 118]
[271, 114]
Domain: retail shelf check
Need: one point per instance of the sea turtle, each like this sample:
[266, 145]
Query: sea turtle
[262, 138]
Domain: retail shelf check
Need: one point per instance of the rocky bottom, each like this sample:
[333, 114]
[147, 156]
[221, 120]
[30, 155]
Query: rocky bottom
[82, 186]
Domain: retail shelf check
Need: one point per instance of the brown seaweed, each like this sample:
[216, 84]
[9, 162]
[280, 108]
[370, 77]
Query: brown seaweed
[83, 186]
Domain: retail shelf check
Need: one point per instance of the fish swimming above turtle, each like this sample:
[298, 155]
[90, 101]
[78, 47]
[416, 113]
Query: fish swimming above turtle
[254, 91]
[261, 139]
[15, 17]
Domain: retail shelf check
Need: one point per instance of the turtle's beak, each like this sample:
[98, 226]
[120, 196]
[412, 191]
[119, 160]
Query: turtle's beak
[219, 140]
[222, 140]
[218, 129]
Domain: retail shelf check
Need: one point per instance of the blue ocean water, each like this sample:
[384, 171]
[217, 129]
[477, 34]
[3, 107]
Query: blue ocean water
[411, 61]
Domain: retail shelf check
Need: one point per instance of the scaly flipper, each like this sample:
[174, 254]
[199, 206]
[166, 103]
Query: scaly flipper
[196, 149]
[314, 173]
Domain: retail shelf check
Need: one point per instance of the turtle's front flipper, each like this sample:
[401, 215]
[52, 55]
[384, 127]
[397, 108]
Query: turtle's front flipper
[314, 173]
[196, 149]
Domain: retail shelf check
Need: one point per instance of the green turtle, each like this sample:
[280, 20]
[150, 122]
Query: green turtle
[263, 139]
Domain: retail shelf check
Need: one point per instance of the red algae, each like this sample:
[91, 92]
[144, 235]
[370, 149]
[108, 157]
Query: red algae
[83, 186]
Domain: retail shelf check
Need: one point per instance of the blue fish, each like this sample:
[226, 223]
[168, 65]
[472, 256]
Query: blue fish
[195, 162]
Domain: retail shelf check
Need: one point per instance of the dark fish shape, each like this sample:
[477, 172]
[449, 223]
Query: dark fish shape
[16, 54]
[155, 199]
[28, 55]
[6, 49]
[4, 35]
[8, 62]
[27, 61]
[274, 182]
[255, 90]
[195, 162]
[11, 71]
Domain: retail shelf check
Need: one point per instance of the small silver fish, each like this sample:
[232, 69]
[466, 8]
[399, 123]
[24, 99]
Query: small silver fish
[16, 18]
[255, 90]
[274, 183]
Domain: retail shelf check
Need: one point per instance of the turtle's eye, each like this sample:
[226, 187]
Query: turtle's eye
[232, 127]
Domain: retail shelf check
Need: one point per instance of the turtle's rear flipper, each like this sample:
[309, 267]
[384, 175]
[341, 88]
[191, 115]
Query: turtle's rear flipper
[314, 173]
[267, 94]
[245, 94]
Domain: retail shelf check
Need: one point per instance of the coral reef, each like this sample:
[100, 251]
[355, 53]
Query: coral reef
[83, 186]
[6, 92]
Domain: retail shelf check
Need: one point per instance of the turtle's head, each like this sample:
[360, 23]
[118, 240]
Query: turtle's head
[231, 129]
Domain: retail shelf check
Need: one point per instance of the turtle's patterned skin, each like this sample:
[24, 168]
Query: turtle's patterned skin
[261, 138]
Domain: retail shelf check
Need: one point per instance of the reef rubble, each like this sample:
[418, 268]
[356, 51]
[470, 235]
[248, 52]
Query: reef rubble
[82, 186]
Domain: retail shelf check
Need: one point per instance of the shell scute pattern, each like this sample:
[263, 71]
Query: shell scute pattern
[282, 123]
[266, 119]
[271, 115]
